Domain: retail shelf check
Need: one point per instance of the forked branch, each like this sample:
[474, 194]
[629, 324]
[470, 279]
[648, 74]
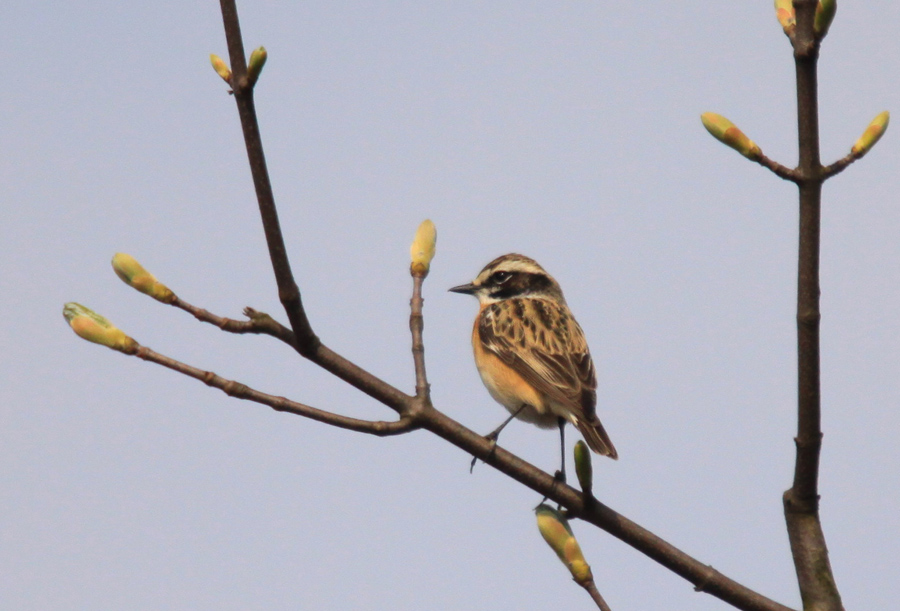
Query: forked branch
[241, 391]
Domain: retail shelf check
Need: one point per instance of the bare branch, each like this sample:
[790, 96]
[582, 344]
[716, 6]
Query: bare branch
[259, 323]
[839, 166]
[288, 292]
[416, 326]
[591, 588]
[801, 502]
[241, 391]
[262, 323]
[598, 514]
[421, 412]
[778, 169]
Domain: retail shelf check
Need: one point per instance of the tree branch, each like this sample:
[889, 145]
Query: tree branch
[778, 169]
[306, 340]
[262, 323]
[241, 391]
[593, 511]
[839, 166]
[801, 502]
[416, 327]
[591, 588]
[422, 413]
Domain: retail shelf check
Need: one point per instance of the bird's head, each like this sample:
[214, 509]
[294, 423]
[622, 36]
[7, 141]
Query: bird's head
[511, 276]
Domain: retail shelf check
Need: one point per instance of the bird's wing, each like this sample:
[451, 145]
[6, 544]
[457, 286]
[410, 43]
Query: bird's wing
[542, 342]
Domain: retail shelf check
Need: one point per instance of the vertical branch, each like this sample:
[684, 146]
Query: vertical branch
[288, 292]
[416, 327]
[421, 252]
[809, 432]
[801, 502]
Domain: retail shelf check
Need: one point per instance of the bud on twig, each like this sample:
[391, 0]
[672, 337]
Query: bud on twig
[134, 275]
[726, 132]
[583, 468]
[558, 535]
[825, 11]
[422, 250]
[89, 325]
[220, 67]
[255, 65]
[872, 134]
[784, 12]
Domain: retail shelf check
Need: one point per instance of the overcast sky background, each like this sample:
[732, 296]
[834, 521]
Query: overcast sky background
[567, 131]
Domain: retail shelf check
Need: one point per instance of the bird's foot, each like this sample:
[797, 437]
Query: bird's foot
[492, 437]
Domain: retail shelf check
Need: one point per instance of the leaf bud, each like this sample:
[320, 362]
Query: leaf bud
[727, 133]
[558, 535]
[89, 325]
[825, 11]
[872, 134]
[255, 65]
[583, 468]
[421, 252]
[220, 67]
[134, 275]
[784, 12]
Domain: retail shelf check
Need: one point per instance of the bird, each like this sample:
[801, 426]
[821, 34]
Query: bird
[531, 353]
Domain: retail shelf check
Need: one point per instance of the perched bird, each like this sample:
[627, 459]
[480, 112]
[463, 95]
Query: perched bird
[531, 353]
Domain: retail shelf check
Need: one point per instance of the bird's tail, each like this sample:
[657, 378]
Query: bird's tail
[597, 439]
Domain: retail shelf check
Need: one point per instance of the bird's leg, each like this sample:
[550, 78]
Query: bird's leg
[495, 434]
[561, 474]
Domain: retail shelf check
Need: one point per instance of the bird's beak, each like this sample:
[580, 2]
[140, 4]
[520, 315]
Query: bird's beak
[465, 289]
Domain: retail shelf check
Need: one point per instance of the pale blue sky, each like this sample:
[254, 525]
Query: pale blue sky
[567, 131]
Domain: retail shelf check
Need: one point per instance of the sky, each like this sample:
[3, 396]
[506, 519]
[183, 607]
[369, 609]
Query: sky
[566, 131]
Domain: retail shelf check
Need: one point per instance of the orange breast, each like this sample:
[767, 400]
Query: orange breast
[508, 387]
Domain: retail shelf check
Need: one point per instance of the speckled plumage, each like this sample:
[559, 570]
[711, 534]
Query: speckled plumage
[531, 352]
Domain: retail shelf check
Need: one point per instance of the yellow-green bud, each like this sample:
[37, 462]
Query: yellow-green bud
[784, 12]
[220, 67]
[422, 250]
[825, 11]
[558, 535]
[872, 134]
[134, 275]
[574, 559]
[583, 468]
[726, 132]
[255, 65]
[91, 326]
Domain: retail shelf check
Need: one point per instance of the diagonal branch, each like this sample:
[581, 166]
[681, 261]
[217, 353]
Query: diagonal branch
[421, 412]
[288, 292]
[262, 323]
[591, 588]
[241, 391]
[840, 165]
[704, 577]
[776, 168]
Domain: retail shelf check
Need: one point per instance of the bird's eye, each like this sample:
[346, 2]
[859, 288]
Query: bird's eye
[500, 277]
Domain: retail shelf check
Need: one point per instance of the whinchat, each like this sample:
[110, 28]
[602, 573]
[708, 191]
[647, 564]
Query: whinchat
[530, 351]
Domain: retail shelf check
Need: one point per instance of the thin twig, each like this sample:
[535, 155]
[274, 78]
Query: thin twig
[591, 588]
[840, 165]
[288, 291]
[241, 391]
[259, 323]
[778, 169]
[416, 327]
[356, 376]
